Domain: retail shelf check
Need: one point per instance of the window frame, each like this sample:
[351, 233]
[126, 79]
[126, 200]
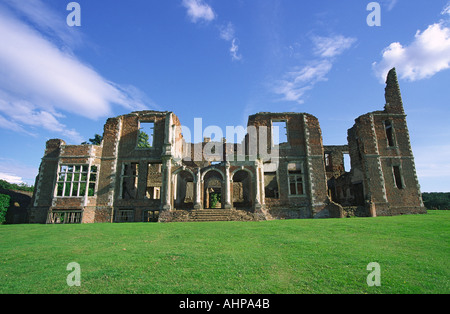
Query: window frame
[69, 177]
[151, 216]
[296, 174]
[122, 213]
[73, 217]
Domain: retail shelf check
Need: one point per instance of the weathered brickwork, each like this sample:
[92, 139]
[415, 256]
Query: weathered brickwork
[144, 170]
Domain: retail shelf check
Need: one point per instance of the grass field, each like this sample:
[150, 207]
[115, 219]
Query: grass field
[289, 257]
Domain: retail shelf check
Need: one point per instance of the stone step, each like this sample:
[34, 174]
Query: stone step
[214, 215]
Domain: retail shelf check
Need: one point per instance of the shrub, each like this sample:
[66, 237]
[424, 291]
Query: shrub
[215, 199]
[4, 205]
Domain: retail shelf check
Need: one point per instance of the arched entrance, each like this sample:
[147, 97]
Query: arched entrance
[242, 189]
[183, 189]
[213, 189]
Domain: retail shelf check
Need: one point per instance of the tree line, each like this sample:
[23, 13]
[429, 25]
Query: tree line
[16, 187]
[436, 200]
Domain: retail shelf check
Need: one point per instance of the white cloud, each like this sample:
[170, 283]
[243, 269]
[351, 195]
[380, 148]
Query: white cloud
[13, 126]
[299, 81]
[228, 33]
[234, 50]
[11, 178]
[302, 79]
[390, 4]
[22, 113]
[47, 21]
[446, 9]
[16, 172]
[328, 47]
[38, 79]
[197, 10]
[428, 54]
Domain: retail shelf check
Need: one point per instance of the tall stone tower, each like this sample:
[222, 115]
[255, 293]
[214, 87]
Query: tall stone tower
[383, 167]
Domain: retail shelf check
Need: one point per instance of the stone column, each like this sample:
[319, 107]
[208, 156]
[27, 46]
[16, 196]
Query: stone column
[262, 192]
[257, 185]
[166, 184]
[227, 191]
[198, 190]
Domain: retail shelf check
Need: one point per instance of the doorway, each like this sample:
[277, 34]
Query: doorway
[213, 188]
[242, 190]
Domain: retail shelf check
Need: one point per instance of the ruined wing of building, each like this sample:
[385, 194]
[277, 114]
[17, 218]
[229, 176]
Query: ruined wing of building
[145, 171]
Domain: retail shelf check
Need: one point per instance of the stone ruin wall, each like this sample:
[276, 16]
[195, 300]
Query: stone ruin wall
[382, 179]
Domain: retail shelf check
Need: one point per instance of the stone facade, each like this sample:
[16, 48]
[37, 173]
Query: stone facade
[144, 170]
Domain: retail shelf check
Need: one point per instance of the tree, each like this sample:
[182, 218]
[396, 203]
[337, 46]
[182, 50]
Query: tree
[215, 199]
[97, 140]
[143, 140]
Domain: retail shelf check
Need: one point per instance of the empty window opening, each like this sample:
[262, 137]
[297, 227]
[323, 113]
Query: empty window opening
[130, 173]
[183, 190]
[279, 132]
[398, 177]
[154, 181]
[242, 190]
[347, 163]
[271, 185]
[146, 135]
[389, 133]
[125, 215]
[153, 193]
[327, 159]
[151, 216]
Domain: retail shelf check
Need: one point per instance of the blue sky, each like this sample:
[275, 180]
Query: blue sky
[220, 60]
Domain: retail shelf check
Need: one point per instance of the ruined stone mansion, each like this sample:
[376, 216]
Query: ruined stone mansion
[137, 176]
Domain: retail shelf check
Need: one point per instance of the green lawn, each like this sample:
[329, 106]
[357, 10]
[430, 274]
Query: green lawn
[290, 256]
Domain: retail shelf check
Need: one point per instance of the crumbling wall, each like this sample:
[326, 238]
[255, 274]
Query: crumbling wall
[45, 182]
[148, 160]
[300, 158]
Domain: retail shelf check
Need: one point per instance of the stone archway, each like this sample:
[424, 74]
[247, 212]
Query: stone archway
[213, 189]
[183, 190]
[242, 190]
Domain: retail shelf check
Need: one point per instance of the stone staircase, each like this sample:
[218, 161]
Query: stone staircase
[355, 211]
[219, 215]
